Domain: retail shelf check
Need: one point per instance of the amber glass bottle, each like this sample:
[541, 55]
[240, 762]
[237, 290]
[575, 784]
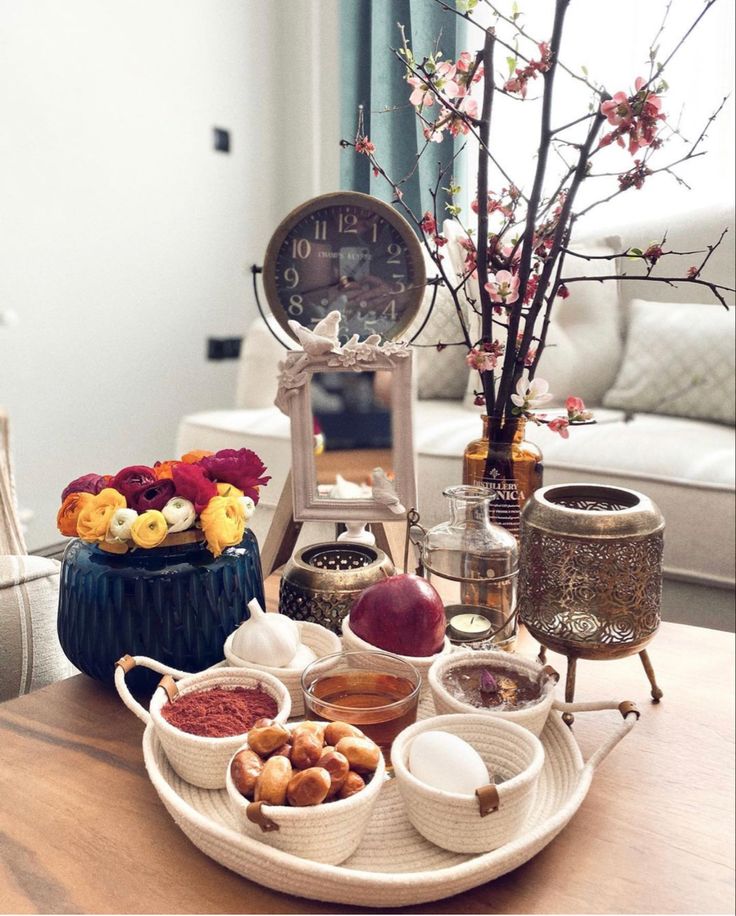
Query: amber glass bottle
[512, 470]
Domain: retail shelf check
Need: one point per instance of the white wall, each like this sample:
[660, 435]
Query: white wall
[125, 240]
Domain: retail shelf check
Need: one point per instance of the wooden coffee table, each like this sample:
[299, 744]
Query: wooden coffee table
[82, 830]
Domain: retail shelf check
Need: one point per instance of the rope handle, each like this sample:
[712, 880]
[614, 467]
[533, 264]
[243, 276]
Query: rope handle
[627, 709]
[127, 663]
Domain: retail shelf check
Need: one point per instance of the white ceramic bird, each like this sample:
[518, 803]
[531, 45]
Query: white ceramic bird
[323, 338]
[385, 493]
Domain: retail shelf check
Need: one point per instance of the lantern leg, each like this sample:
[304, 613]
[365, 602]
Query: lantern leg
[567, 717]
[657, 693]
[542, 657]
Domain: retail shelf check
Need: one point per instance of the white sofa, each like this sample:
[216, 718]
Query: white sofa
[686, 465]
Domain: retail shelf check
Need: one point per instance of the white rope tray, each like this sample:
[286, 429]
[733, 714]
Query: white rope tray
[393, 866]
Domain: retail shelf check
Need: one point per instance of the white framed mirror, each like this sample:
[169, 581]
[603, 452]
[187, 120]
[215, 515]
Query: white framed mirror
[377, 481]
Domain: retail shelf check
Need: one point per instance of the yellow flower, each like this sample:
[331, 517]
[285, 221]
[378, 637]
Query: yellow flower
[223, 522]
[149, 529]
[227, 489]
[94, 517]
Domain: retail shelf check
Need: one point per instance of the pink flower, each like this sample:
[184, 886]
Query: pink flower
[464, 62]
[653, 253]
[364, 145]
[485, 357]
[563, 292]
[692, 272]
[503, 286]
[428, 223]
[576, 412]
[422, 96]
[560, 425]
[617, 110]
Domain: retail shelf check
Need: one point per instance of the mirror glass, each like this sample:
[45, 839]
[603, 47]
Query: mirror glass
[351, 414]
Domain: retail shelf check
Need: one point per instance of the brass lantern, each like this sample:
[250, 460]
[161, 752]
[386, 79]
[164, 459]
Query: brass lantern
[590, 582]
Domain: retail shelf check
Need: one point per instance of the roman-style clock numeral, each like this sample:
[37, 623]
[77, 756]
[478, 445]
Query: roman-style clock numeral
[346, 223]
[320, 230]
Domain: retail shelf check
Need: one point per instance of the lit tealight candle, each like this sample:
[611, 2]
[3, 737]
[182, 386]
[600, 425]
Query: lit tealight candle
[470, 626]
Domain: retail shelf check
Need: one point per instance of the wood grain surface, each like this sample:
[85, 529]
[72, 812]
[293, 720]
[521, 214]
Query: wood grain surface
[82, 830]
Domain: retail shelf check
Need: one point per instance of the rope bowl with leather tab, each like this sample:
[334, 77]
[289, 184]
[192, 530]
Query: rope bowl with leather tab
[199, 760]
[496, 813]
[328, 833]
[532, 715]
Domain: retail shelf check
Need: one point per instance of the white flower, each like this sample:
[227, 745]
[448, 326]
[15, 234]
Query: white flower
[531, 395]
[249, 507]
[179, 514]
[119, 528]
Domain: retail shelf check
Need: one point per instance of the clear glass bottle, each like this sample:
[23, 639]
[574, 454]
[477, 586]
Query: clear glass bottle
[473, 564]
[511, 470]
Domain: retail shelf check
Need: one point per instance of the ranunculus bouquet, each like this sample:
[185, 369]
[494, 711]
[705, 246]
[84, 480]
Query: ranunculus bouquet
[215, 492]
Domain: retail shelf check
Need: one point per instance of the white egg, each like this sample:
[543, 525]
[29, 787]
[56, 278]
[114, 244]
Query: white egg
[446, 762]
[304, 656]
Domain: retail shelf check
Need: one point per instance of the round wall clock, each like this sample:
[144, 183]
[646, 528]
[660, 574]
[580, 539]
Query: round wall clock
[345, 251]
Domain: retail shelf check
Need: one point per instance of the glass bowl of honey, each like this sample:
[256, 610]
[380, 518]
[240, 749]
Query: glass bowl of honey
[376, 691]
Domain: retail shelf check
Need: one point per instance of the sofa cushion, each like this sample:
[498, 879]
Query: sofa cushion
[680, 360]
[30, 654]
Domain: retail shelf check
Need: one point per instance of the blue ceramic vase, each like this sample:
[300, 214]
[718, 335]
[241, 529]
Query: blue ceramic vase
[176, 604]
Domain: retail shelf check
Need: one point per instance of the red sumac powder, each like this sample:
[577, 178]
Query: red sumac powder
[219, 712]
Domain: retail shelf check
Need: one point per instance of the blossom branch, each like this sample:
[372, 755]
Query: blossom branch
[716, 288]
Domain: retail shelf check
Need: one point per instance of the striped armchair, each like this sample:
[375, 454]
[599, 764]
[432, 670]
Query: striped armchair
[30, 654]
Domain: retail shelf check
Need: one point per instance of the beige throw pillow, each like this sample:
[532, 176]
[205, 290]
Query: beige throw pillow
[679, 361]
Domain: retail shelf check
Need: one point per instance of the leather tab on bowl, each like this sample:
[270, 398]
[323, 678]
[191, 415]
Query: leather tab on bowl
[256, 815]
[626, 707]
[127, 663]
[550, 672]
[169, 687]
[488, 800]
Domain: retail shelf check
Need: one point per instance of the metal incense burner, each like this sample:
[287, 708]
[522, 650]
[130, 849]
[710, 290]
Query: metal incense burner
[591, 574]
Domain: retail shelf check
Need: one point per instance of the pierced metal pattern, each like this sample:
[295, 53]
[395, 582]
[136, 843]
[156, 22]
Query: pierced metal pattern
[338, 557]
[591, 505]
[325, 608]
[595, 598]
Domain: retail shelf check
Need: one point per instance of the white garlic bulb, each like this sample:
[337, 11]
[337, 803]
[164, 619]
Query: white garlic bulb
[266, 639]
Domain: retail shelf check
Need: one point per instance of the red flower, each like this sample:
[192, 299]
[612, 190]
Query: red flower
[191, 482]
[692, 272]
[563, 292]
[242, 468]
[154, 496]
[87, 483]
[132, 479]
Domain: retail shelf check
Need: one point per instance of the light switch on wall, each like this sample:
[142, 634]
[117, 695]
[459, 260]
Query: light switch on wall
[221, 141]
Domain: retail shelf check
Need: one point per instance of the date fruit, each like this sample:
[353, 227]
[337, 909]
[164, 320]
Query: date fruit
[362, 753]
[245, 769]
[272, 784]
[308, 787]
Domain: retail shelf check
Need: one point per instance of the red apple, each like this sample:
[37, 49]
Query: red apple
[401, 614]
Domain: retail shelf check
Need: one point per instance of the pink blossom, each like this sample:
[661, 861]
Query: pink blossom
[364, 145]
[485, 357]
[576, 412]
[464, 62]
[503, 286]
[479, 400]
[692, 272]
[563, 292]
[617, 110]
[560, 425]
[422, 96]
[428, 223]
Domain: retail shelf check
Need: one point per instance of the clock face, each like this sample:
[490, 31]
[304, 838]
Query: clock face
[350, 252]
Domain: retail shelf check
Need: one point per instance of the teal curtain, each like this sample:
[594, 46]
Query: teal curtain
[373, 77]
